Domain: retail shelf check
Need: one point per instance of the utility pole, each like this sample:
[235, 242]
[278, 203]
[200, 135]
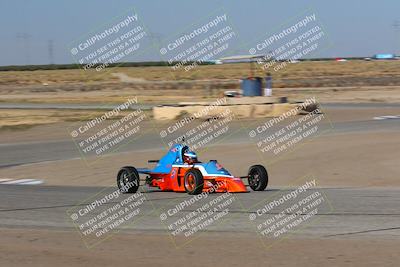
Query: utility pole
[156, 39]
[396, 27]
[25, 38]
[50, 47]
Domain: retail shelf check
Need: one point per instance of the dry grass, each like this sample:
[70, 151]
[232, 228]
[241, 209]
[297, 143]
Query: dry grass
[78, 86]
[23, 119]
[317, 69]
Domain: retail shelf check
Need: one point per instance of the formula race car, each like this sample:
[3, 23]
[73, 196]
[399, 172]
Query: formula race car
[180, 171]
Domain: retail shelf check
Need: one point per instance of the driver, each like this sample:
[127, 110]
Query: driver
[189, 157]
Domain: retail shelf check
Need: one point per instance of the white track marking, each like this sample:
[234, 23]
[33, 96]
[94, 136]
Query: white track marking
[33, 182]
[388, 117]
[21, 181]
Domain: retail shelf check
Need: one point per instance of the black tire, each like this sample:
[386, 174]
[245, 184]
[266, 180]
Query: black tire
[257, 177]
[193, 182]
[128, 180]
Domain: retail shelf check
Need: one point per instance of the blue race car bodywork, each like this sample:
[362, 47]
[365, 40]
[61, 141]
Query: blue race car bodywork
[172, 173]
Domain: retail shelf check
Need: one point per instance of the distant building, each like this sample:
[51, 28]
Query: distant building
[215, 61]
[384, 56]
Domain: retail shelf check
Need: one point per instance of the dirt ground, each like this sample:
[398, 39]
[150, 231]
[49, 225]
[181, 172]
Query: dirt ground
[19, 247]
[339, 71]
[364, 158]
[367, 163]
[328, 81]
[316, 157]
[355, 159]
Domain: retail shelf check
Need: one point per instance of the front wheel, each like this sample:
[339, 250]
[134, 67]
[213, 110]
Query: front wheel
[194, 182]
[128, 179]
[257, 177]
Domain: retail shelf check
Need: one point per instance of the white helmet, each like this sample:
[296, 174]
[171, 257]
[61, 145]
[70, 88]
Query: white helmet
[189, 156]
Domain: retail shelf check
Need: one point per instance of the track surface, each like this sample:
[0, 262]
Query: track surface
[358, 212]
[14, 154]
[354, 226]
[351, 211]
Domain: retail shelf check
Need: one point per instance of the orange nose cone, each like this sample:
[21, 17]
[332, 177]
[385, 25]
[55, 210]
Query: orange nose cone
[235, 185]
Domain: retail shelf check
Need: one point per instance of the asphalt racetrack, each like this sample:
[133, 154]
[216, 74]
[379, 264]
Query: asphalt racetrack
[352, 212]
[344, 218]
[15, 153]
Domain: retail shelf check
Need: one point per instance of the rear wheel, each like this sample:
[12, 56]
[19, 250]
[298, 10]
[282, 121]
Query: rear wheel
[258, 177]
[128, 179]
[193, 182]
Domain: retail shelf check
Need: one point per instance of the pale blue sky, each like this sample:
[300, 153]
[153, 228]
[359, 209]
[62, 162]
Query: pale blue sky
[355, 27]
